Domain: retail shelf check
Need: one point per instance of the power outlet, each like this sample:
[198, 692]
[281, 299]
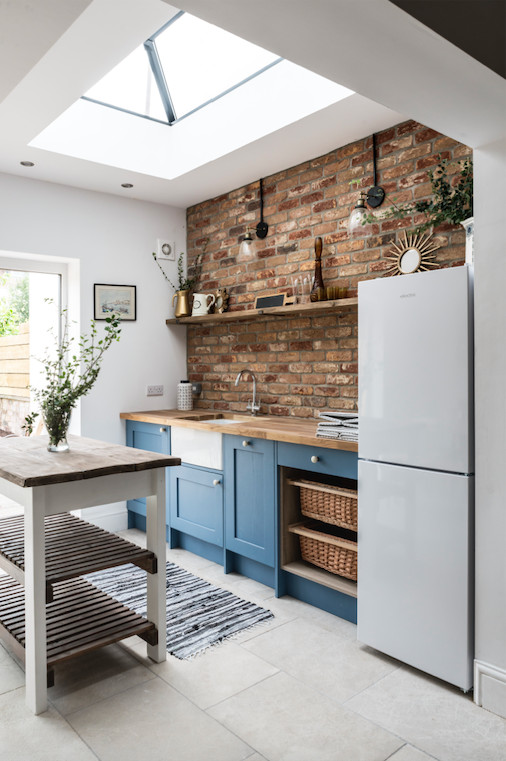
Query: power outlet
[165, 249]
[154, 391]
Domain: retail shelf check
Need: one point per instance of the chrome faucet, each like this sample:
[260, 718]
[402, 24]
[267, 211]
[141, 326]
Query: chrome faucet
[252, 405]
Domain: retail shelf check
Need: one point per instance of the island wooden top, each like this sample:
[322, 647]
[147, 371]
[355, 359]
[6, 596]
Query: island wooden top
[272, 427]
[27, 462]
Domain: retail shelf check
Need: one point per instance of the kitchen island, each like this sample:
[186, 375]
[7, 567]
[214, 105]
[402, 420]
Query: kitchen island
[47, 484]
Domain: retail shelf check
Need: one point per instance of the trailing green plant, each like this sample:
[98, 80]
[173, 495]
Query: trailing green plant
[184, 282]
[450, 202]
[69, 374]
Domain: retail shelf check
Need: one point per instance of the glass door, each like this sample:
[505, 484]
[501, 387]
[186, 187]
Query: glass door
[29, 317]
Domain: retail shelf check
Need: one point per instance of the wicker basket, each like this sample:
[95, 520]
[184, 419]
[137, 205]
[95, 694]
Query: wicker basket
[330, 504]
[336, 555]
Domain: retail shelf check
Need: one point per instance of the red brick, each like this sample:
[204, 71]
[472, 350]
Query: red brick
[305, 363]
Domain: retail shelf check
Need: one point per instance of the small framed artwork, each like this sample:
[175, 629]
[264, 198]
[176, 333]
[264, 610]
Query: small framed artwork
[121, 299]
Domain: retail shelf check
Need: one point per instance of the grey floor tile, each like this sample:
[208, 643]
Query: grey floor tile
[289, 608]
[284, 720]
[217, 674]
[48, 737]
[95, 676]
[335, 666]
[154, 721]
[11, 675]
[434, 717]
[408, 753]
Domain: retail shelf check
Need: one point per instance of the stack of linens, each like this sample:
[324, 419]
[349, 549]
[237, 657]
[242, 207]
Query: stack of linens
[338, 425]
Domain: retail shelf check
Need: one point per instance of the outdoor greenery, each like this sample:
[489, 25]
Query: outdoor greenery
[70, 373]
[13, 303]
[451, 201]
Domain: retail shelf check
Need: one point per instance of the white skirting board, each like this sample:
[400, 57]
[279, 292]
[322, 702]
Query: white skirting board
[490, 687]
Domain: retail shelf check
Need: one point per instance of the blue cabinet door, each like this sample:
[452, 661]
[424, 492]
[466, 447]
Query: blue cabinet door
[250, 501]
[153, 438]
[196, 503]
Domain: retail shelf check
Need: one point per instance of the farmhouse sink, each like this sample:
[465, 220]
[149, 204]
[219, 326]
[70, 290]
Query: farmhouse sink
[222, 418]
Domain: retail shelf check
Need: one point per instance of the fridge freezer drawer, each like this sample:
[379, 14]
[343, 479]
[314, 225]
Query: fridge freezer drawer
[415, 570]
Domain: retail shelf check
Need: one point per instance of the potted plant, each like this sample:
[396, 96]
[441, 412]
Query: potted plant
[451, 201]
[184, 282]
[70, 373]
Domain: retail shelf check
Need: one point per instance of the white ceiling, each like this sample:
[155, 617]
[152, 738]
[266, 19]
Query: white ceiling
[400, 68]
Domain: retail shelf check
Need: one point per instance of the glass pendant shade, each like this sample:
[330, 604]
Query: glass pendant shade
[357, 216]
[246, 249]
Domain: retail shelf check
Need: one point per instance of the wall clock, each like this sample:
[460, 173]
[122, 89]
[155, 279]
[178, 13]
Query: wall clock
[414, 253]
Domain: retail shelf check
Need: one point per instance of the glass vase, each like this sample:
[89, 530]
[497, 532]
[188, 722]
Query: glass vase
[57, 421]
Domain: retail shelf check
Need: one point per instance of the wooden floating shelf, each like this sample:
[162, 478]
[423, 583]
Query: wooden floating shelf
[320, 576]
[80, 619]
[73, 548]
[313, 308]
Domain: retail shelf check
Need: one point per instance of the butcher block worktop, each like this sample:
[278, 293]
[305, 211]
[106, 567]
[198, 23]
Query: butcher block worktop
[272, 427]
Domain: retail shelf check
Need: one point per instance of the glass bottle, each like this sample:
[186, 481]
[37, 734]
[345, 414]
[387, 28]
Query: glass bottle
[318, 290]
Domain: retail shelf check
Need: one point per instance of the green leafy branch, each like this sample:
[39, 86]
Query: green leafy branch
[70, 374]
[450, 203]
[185, 282]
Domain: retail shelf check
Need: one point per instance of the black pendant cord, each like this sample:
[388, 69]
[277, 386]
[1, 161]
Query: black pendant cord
[262, 227]
[375, 195]
[374, 160]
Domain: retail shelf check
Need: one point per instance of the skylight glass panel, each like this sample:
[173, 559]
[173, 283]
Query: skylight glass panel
[131, 86]
[200, 61]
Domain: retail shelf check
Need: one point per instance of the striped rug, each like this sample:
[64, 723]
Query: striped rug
[199, 614]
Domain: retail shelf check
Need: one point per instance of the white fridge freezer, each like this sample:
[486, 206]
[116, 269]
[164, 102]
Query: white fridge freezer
[415, 475]
[415, 581]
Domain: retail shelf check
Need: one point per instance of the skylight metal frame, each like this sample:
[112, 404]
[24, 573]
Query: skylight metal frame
[163, 89]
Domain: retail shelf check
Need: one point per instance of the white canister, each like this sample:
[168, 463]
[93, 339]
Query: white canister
[184, 395]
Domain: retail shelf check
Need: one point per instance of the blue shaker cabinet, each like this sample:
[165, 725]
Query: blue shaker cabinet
[250, 506]
[196, 503]
[153, 438]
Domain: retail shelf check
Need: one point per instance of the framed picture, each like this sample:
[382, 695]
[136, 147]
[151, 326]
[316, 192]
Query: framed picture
[115, 298]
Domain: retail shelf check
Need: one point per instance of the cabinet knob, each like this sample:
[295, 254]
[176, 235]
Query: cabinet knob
[315, 458]
[162, 429]
[245, 443]
[216, 482]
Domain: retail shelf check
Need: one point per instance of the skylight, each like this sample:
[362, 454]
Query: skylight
[187, 64]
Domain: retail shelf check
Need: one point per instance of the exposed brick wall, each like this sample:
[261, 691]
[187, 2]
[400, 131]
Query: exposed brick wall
[304, 364]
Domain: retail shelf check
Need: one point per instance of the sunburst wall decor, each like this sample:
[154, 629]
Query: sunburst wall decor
[415, 253]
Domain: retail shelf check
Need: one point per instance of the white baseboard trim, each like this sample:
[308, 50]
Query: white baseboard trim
[112, 517]
[482, 669]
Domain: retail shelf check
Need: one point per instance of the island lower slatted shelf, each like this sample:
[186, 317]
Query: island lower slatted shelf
[79, 616]
[73, 548]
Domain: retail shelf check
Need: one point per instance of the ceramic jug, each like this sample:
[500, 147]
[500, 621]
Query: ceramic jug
[182, 304]
[202, 303]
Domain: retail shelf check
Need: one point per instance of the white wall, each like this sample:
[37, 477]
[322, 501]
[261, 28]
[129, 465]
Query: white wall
[112, 238]
[490, 375]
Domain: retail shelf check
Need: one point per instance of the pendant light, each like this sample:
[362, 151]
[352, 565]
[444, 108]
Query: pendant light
[246, 249]
[374, 197]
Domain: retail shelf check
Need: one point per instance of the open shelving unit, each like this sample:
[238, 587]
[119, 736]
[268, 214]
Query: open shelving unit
[313, 308]
[291, 560]
[80, 617]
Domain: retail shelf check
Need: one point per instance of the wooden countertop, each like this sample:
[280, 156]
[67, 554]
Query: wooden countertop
[27, 462]
[272, 427]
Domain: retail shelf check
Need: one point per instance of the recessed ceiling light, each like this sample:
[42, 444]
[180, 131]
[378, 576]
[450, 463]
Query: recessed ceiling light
[126, 185]
[27, 163]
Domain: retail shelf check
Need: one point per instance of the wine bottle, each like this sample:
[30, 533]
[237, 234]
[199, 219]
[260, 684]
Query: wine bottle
[318, 290]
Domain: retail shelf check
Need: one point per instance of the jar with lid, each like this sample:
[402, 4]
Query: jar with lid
[184, 395]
